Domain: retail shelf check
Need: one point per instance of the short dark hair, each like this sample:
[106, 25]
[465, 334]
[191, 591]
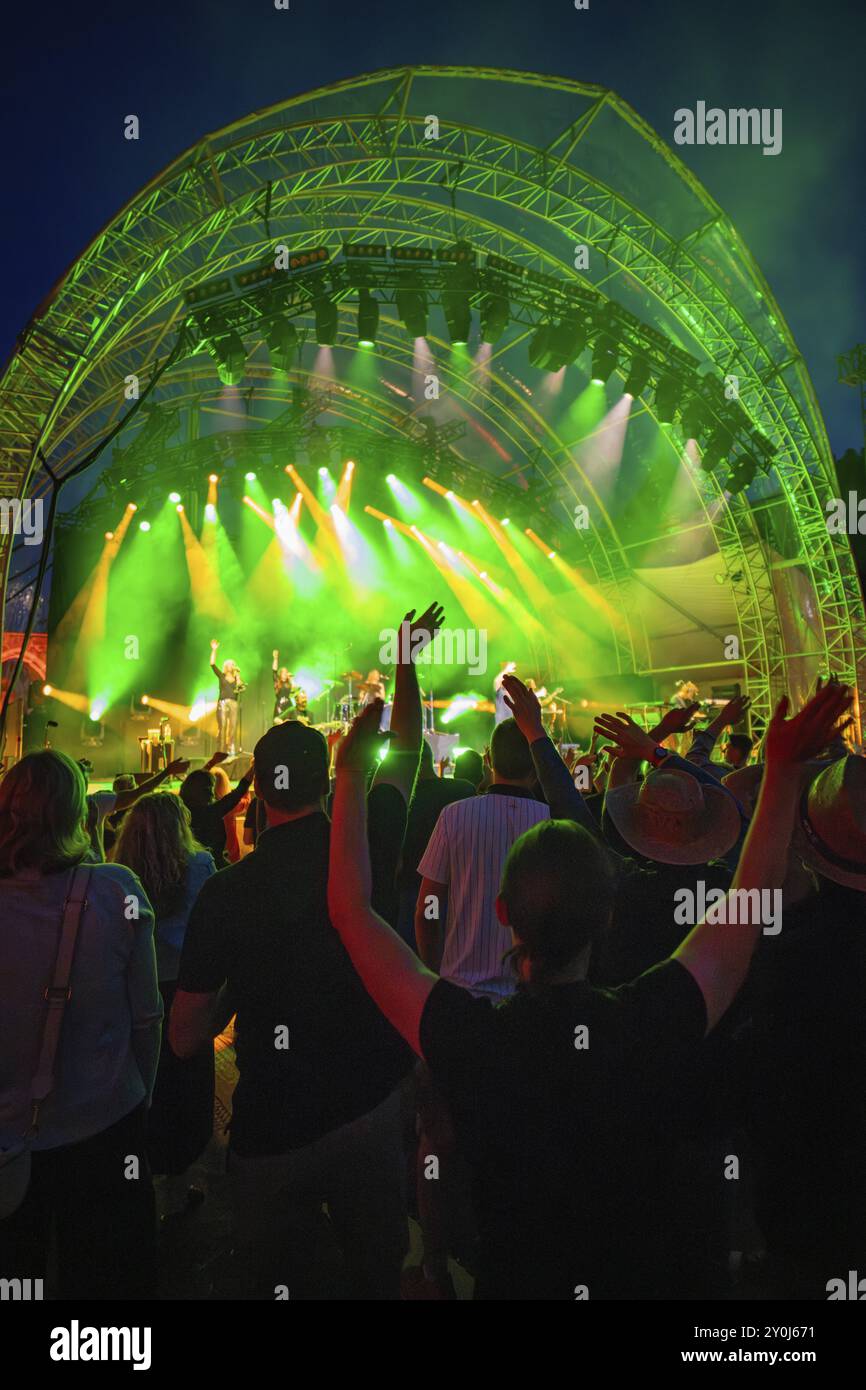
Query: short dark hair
[469, 766]
[742, 742]
[196, 789]
[509, 752]
[558, 886]
[297, 755]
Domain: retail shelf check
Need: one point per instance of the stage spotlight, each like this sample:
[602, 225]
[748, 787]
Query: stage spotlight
[144, 526]
[391, 478]
[212, 478]
[717, 449]
[368, 319]
[743, 471]
[179, 507]
[604, 359]
[506, 521]
[460, 283]
[551, 554]
[494, 317]
[109, 535]
[638, 375]
[132, 506]
[230, 356]
[557, 345]
[250, 477]
[174, 497]
[695, 419]
[326, 321]
[323, 472]
[669, 393]
[47, 689]
[281, 337]
[458, 316]
[412, 308]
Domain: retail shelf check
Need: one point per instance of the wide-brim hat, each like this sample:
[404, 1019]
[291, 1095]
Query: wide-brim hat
[673, 818]
[830, 830]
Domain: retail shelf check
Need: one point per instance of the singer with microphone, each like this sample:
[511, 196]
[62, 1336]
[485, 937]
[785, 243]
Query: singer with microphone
[231, 687]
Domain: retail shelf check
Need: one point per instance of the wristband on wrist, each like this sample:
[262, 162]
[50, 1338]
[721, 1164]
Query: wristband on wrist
[658, 756]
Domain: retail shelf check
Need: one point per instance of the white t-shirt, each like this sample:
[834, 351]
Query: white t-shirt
[467, 851]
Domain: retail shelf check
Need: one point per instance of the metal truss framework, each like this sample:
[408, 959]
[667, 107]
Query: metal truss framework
[354, 162]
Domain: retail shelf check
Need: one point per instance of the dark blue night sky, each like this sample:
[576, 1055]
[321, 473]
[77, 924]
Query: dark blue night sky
[71, 73]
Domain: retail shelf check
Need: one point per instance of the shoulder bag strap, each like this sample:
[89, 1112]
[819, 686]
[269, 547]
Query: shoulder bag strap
[58, 992]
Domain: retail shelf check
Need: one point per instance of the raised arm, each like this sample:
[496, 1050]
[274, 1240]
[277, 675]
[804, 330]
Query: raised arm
[400, 768]
[704, 741]
[557, 782]
[125, 799]
[230, 800]
[391, 972]
[718, 951]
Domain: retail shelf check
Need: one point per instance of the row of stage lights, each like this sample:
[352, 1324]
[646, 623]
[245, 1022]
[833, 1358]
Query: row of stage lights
[564, 333]
[392, 480]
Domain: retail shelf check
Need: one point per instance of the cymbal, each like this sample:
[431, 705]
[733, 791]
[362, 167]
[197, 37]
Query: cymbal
[350, 676]
[371, 687]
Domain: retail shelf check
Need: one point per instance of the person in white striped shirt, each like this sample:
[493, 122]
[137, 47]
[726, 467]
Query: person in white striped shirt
[456, 927]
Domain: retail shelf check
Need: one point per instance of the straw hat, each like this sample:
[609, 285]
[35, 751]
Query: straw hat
[830, 833]
[675, 819]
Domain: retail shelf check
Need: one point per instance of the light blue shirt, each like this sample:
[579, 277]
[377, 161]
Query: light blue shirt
[114, 993]
[171, 929]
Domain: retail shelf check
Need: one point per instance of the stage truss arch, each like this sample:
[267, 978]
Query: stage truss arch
[526, 167]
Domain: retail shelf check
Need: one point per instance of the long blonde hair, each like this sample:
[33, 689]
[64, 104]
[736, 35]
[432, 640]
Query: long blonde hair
[156, 843]
[43, 814]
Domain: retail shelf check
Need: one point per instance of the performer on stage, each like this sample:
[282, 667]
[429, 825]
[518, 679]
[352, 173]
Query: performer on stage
[230, 688]
[501, 710]
[301, 713]
[686, 694]
[373, 688]
[284, 691]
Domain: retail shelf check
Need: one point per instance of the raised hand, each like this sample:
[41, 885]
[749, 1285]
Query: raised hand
[733, 711]
[796, 740]
[358, 750]
[524, 705]
[676, 721]
[218, 757]
[627, 739]
[419, 631]
[214, 644]
[179, 767]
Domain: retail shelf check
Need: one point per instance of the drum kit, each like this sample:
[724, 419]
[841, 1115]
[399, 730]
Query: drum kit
[349, 702]
[347, 706]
